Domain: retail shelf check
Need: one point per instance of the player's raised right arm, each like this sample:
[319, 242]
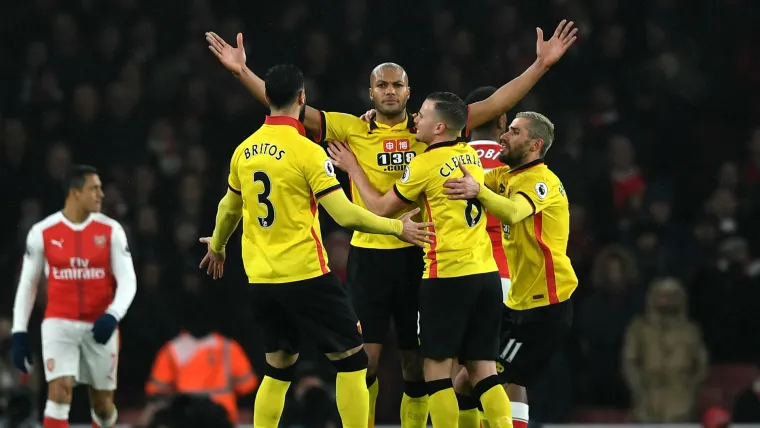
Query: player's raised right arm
[34, 260]
[233, 58]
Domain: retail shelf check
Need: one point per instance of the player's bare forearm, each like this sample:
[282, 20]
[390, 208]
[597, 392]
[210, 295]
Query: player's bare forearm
[257, 88]
[376, 202]
[507, 210]
[506, 96]
[228, 216]
[253, 83]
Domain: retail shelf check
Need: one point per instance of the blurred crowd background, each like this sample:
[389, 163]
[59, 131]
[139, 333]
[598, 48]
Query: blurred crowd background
[658, 145]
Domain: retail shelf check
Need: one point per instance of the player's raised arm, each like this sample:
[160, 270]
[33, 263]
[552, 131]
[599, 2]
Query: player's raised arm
[34, 260]
[507, 210]
[233, 58]
[506, 97]
[381, 204]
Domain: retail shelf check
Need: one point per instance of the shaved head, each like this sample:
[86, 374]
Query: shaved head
[389, 89]
[381, 69]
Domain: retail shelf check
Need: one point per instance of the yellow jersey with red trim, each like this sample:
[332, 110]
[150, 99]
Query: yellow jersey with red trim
[382, 152]
[536, 247]
[461, 246]
[281, 175]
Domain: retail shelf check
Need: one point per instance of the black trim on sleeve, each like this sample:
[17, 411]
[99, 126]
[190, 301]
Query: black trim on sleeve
[234, 190]
[320, 137]
[525, 195]
[400, 196]
[327, 191]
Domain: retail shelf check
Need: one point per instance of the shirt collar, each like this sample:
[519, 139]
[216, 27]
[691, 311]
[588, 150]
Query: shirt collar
[408, 123]
[286, 120]
[442, 144]
[526, 166]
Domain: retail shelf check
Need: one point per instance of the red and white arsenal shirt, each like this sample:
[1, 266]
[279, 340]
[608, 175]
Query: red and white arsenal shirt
[489, 152]
[88, 267]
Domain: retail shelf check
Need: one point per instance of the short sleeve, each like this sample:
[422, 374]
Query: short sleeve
[319, 171]
[233, 182]
[336, 126]
[412, 182]
[539, 191]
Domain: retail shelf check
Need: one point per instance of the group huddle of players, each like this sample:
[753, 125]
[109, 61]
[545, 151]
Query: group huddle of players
[469, 340]
[492, 212]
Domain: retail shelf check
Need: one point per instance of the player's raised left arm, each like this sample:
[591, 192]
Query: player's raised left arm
[123, 271]
[506, 97]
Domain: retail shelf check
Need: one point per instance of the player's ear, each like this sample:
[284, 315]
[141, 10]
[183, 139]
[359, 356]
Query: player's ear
[502, 124]
[371, 97]
[302, 96]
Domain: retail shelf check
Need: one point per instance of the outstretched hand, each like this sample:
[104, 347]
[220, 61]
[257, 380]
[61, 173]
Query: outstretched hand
[552, 50]
[213, 262]
[231, 58]
[416, 233]
[462, 188]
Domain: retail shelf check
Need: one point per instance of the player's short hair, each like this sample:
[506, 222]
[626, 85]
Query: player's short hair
[539, 127]
[383, 66]
[282, 84]
[451, 108]
[481, 94]
[76, 176]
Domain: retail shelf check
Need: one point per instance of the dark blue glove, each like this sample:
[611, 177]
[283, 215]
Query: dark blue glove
[104, 328]
[20, 351]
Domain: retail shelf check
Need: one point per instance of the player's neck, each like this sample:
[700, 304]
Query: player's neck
[295, 112]
[438, 139]
[390, 120]
[74, 213]
[484, 136]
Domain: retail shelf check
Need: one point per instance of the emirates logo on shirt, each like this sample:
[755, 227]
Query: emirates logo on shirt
[79, 269]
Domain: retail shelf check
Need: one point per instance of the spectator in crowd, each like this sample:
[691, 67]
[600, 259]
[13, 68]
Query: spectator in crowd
[186, 411]
[664, 357]
[602, 320]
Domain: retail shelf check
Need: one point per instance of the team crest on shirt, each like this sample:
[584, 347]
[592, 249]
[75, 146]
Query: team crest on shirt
[541, 190]
[100, 240]
[329, 168]
[406, 175]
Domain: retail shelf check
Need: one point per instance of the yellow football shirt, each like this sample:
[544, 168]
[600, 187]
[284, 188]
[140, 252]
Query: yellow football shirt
[281, 175]
[536, 247]
[461, 245]
[382, 152]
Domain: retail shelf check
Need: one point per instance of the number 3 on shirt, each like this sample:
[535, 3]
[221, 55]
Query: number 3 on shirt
[263, 178]
[473, 212]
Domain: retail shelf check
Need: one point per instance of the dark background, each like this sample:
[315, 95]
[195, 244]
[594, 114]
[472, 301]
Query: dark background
[656, 111]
